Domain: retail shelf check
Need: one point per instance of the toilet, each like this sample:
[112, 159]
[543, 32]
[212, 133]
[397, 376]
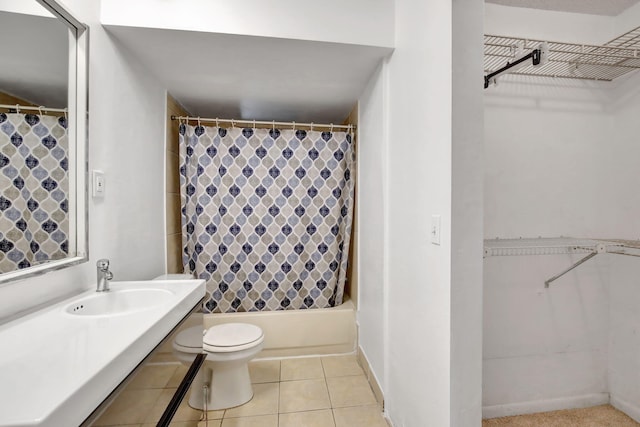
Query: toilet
[225, 372]
[229, 348]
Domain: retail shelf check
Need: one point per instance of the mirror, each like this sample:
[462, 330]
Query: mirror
[43, 122]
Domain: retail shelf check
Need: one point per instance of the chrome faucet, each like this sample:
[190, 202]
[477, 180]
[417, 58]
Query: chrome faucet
[104, 275]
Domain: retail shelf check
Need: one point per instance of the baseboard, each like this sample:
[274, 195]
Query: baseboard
[371, 377]
[632, 410]
[546, 405]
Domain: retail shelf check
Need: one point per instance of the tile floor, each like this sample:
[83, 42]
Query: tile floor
[306, 392]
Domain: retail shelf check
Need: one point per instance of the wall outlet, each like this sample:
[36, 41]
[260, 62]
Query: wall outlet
[98, 183]
[435, 229]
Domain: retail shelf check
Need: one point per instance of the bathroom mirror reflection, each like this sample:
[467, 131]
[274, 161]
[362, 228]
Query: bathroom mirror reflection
[42, 138]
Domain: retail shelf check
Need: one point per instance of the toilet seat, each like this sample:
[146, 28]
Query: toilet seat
[229, 337]
[189, 340]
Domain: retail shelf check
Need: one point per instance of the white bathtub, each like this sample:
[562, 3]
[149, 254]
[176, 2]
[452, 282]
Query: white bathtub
[300, 332]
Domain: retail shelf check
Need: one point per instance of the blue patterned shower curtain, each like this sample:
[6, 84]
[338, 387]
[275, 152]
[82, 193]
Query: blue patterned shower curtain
[34, 180]
[266, 216]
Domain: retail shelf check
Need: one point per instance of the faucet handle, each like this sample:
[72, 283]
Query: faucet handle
[103, 264]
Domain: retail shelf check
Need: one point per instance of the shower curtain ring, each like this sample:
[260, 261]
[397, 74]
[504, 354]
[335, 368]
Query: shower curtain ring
[311, 127]
[273, 125]
[217, 123]
[293, 125]
[331, 128]
[40, 108]
[233, 123]
[65, 114]
[198, 121]
[254, 123]
[18, 108]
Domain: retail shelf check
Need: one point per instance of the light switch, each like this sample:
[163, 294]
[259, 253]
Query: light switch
[98, 183]
[435, 229]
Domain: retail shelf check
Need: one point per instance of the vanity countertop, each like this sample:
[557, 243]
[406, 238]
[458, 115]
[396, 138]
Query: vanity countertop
[57, 367]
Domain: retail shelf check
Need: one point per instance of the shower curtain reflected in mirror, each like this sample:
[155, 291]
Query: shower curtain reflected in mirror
[34, 224]
[266, 216]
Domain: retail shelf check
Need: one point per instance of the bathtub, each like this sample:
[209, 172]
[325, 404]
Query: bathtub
[292, 333]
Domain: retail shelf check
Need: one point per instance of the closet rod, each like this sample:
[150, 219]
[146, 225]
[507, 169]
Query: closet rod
[234, 122]
[535, 55]
[18, 107]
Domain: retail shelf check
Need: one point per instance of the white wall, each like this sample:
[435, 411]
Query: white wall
[466, 214]
[372, 201]
[126, 137]
[419, 161]
[624, 340]
[544, 349]
[547, 25]
[366, 22]
[558, 163]
[424, 344]
[29, 8]
[548, 167]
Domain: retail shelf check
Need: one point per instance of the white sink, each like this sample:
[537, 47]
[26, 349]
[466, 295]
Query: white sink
[121, 301]
[63, 361]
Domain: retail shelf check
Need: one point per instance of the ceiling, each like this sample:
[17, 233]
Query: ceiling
[261, 78]
[592, 7]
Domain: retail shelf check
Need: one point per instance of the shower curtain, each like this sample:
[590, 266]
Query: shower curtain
[266, 216]
[34, 224]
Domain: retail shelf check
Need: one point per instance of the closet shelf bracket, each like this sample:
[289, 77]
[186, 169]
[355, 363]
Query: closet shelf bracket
[559, 275]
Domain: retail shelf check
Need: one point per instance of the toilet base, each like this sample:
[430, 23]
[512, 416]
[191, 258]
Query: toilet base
[196, 391]
[228, 385]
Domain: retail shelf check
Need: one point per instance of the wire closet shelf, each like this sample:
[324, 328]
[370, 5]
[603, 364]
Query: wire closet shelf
[559, 246]
[568, 60]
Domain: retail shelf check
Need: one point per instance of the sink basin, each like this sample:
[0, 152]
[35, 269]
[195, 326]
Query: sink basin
[121, 301]
[68, 356]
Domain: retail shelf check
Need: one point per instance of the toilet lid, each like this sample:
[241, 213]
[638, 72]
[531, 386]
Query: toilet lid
[232, 335]
[190, 337]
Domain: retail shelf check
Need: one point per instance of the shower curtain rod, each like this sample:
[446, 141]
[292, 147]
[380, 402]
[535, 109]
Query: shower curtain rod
[266, 123]
[41, 108]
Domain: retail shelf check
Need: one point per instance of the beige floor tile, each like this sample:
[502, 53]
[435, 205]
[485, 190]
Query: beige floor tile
[216, 415]
[211, 423]
[305, 368]
[165, 397]
[341, 366]
[264, 402]
[182, 424]
[359, 416]
[187, 413]
[264, 371]
[177, 376]
[305, 395]
[259, 421]
[323, 418]
[164, 358]
[131, 407]
[153, 376]
[184, 412]
[350, 391]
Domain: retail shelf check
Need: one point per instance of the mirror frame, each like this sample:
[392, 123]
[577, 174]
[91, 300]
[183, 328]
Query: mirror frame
[78, 113]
